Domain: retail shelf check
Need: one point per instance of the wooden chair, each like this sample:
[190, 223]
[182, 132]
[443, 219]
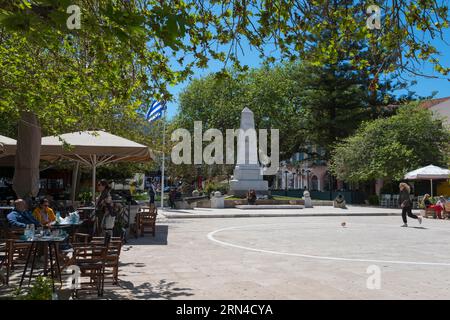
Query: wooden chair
[79, 237]
[147, 220]
[4, 252]
[90, 259]
[112, 259]
[13, 252]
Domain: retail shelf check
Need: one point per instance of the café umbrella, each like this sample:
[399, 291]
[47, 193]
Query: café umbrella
[7, 151]
[430, 172]
[7, 146]
[93, 149]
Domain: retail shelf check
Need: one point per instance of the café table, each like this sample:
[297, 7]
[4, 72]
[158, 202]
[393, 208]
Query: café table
[71, 228]
[52, 243]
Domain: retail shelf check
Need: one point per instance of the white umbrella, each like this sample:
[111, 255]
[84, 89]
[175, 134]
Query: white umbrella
[7, 146]
[428, 173]
[94, 148]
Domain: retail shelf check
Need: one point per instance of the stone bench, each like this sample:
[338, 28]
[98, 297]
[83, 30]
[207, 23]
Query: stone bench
[188, 202]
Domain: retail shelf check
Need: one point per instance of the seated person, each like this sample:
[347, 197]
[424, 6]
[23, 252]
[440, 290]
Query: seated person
[44, 214]
[339, 202]
[441, 204]
[426, 201]
[251, 197]
[20, 217]
[436, 207]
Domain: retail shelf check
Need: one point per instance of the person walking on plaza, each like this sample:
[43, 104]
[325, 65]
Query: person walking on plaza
[152, 193]
[405, 203]
[172, 197]
[104, 206]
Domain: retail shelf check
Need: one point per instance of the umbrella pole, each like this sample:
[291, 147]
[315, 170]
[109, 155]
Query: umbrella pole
[94, 172]
[431, 182]
[74, 181]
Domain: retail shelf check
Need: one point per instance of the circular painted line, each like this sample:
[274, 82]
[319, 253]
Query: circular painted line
[228, 244]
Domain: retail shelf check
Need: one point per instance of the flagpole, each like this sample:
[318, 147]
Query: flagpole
[163, 159]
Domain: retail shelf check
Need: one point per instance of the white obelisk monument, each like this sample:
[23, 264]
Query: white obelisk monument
[247, 172]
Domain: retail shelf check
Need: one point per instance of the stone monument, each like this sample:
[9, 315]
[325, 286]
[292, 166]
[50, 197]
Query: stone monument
[308, 201]
[218, 200]
[247, 172]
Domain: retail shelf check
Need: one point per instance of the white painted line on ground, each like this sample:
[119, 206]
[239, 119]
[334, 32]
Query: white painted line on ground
[212, 238]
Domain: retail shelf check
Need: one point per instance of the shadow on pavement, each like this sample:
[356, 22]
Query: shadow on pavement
[160, 237]
[161, 290]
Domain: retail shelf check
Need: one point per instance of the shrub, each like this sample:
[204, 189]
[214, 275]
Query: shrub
[141, 196]
[85, 196]
[374, 200]
[41, 290]
[212, 186]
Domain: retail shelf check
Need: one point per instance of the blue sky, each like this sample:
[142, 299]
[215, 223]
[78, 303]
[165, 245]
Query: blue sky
[424, 87]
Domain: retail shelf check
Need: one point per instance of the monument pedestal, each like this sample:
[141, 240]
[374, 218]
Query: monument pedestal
[247, 177]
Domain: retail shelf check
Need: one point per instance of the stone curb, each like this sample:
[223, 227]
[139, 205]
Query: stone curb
[261, 215]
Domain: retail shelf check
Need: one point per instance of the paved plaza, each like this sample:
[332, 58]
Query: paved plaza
[287, 258]
[299, 257]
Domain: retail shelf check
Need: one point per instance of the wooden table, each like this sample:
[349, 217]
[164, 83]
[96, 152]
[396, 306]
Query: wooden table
[52, 244]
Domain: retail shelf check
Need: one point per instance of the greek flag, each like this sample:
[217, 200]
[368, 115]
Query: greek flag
[155, 111]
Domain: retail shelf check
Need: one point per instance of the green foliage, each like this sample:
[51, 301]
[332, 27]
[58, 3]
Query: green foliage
[118, 172]
[389, 147]
[374, 200]
[40, 290]
[196, 31]
[390, 187]
[311, 105]
[333, 102]
[215, 186]
[141, 196]
[85, 196]
[102, 75]
[218, 102]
